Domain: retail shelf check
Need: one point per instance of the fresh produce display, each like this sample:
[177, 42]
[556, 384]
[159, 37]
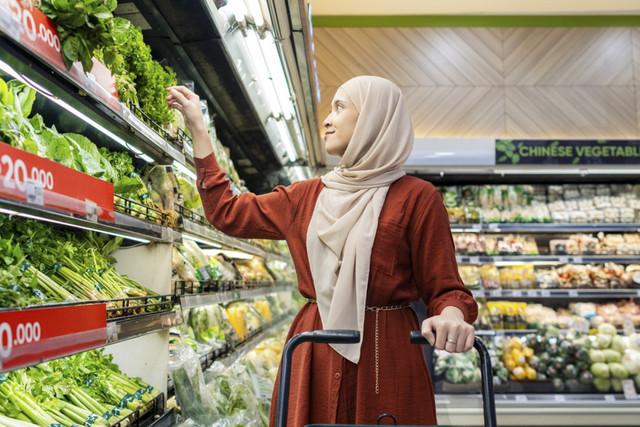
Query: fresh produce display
[602, 244]
[464, 368]
[84, 389]
[474, 244]
[519, 315]
[568, 203]
[41, 264]
[553, 360]
[88, 29]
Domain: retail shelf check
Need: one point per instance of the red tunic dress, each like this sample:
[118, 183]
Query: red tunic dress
[413, 257]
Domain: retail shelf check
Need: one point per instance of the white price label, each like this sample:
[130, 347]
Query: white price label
[521, 398]
[34, 192]
[496, 293]
[627, 324]
[494, 226]
[479, 294]
[517, 294]
[573, 294]
[92, 211]
[639, 292]
[532, 294]
[497, 259]
[629, 389]
[545, 294]
[205, 273]
[474, 259]
[577, 260]
[559, 398]
[609, 398]
[563, 260]
[476, 227]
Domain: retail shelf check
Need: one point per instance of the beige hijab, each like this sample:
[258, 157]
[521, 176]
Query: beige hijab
[345, 218]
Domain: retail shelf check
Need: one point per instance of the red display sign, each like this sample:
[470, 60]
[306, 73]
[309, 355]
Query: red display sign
[34, 30]
[31, 336]
[35, 180]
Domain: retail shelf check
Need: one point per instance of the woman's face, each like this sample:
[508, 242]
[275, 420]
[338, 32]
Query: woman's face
[340, 124]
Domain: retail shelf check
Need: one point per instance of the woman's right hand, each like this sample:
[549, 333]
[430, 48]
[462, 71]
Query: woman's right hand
[188, 103]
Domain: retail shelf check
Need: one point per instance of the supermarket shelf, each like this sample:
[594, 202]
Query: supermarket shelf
[120, 330]
[544, 228]
[196, 227]
[146, 415]
[504, 332]
[115, 125]
[168, 419]
[557, 293]
[197, 300]
[541, 410]
[551, 259]
[124, 226]
[242, 348]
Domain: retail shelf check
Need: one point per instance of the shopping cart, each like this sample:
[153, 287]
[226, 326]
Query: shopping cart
[352, 337]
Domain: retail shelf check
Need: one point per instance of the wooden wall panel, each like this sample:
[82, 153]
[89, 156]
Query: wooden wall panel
[568, 56]
[444, 112]
[411, 56]
[570, 112]
[496, 82]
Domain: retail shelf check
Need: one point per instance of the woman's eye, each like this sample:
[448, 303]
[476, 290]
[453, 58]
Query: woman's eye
[339, 107]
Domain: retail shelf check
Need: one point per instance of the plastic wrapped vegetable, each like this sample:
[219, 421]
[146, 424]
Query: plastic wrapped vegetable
[192, 394]
[631, 361]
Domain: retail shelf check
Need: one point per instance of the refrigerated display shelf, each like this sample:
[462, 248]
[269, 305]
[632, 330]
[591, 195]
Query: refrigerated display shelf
[197, 227]
[545, 228]
[138, 306]
[556, 293]
[113, 120]
[241, 348]
[126, 226]
[548, 259]
[504, 332]
[145, 415]
[134, 326]
[191, 300]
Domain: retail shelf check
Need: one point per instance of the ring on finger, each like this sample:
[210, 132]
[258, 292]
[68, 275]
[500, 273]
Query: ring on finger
[452, 341]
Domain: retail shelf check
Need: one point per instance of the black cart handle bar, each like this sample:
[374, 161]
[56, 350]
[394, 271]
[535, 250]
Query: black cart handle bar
[353, 337]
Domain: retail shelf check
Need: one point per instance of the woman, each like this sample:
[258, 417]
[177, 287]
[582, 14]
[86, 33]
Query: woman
[366, 241]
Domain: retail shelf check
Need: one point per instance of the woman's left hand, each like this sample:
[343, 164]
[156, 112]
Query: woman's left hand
[448, 331]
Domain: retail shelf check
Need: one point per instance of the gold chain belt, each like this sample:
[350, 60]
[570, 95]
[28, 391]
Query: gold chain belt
[377, 341]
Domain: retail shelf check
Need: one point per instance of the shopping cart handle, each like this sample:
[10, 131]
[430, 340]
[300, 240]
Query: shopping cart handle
[488, 399]
[331, 336]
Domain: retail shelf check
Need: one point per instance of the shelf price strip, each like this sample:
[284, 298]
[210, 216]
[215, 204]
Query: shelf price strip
[33, 335]
[28, 178]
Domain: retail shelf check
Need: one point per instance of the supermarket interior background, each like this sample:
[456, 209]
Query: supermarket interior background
[120, 303]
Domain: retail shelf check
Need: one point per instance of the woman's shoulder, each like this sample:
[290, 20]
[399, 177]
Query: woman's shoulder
[302, 188]
[416, 187]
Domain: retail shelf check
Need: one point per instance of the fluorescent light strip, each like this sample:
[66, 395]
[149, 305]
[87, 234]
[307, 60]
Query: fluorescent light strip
[199, 240]
[256, 12]
[286, 140]
[277, 74]
[230, 254]
[66, 224]
[258, 58]
[183, 169]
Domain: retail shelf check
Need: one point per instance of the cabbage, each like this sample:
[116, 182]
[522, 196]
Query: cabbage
[617, 344]
[602, 384]
[600, 370]
[607, 329]
[616, 384]
[631, 361]
[454, 375]
[611, 356]
[618, 370]
[603, 340]
[596, 356]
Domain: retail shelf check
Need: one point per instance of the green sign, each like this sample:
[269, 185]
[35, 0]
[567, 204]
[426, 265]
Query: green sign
[567, 152]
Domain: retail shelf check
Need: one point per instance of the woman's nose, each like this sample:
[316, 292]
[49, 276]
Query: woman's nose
[327, 121]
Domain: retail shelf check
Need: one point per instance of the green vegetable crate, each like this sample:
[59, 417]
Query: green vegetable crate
[352, 337]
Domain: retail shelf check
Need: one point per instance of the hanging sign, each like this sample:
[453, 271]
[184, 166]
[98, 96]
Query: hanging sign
[567, 152]
[28, 178]
[30, 336]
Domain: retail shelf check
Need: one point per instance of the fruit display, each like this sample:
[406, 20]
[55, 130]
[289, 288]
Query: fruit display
[519, 359]
[568, 203]
[474, 244]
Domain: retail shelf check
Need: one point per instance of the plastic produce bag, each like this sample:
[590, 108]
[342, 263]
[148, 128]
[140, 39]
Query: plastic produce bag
[192, 394]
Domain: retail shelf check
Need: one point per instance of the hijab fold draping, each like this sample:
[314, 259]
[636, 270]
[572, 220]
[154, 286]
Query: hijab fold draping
[344, 222]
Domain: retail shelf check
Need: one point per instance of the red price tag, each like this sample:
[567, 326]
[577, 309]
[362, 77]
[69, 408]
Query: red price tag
[29, 178]
[33, 335]
[35, 31]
